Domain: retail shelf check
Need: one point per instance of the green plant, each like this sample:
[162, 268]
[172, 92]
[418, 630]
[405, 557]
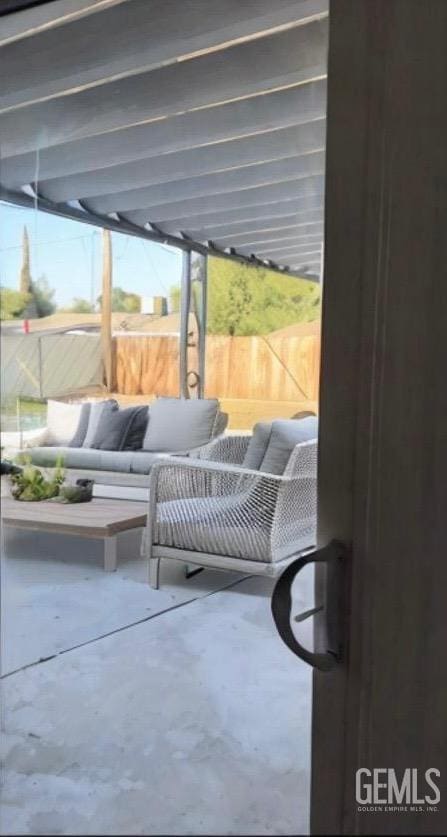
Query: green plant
[245, 300]
[129, 303]
[12, 303]
[30, 484]
[43, 297]
[78, 306]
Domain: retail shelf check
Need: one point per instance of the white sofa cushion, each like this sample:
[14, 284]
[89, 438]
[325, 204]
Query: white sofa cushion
[62, 422]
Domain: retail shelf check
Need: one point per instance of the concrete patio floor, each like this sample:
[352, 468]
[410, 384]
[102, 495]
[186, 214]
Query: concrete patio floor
[176, 711]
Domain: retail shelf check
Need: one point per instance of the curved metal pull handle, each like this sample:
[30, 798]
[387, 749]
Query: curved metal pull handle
[282, 606]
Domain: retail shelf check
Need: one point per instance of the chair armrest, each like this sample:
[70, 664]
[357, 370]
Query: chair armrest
[186, 463]
[182, 478]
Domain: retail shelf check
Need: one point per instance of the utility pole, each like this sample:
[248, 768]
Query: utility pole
[92, 269]
[106, 309]
[25, 271]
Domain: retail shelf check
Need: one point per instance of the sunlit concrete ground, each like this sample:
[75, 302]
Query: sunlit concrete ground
[176, 711]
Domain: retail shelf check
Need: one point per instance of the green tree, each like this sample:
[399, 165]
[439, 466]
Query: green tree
[245, 300]
[174, 298]
[79, 306]
[12, 303]
[43, 297]
[122, 301]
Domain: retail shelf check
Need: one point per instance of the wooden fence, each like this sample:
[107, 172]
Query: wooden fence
[146, 365]
[270, 368]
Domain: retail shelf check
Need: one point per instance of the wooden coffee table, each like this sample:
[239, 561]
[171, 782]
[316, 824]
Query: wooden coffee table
[97, 519]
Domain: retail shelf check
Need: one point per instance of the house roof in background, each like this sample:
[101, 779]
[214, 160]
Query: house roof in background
[122, 322]
[189, 121]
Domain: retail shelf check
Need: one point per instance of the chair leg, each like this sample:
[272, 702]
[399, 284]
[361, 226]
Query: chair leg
[192, 570]
[154, 573]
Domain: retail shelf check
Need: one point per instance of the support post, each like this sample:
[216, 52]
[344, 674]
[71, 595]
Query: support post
[185, 302]
[106, 309]
[201, 277]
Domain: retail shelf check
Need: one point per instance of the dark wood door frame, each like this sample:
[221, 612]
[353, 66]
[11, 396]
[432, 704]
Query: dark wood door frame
[383, 413]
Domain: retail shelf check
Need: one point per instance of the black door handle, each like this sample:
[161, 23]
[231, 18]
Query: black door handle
[332, 555]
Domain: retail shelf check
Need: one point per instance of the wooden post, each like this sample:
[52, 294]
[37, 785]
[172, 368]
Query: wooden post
[106, 309]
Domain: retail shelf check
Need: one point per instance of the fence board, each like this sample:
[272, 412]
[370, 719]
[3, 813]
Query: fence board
[147, 365]
[277, 368]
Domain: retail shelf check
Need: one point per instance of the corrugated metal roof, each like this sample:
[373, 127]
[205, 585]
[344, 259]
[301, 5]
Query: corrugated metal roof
[181, 120]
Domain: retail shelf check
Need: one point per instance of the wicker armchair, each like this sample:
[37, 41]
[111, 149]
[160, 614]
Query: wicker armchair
[212, 512]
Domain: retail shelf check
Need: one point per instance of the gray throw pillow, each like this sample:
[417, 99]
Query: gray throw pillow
[81, 431]
[115, 426]
[98, 409]
[133, 439]
[180, 424]
[284, 436]
[257, 445]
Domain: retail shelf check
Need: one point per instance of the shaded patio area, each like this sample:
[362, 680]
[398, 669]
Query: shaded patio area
[157, 712]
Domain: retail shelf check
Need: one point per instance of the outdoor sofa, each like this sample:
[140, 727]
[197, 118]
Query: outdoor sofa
[118, 447]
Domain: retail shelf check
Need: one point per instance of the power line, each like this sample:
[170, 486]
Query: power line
[169, 250]
[157, 275]
[43, 243]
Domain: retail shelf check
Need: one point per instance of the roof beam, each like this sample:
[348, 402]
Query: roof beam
[160, 33]
[284, 257]
[234, 181]
[270, 236]
[311, 265]
[289, 58]
[249, 218]
[259, 196]
[306, 226]
[223, 156]
[291, 246]
[300, 224]
[46, 16]
[303, 106]
[299, 245]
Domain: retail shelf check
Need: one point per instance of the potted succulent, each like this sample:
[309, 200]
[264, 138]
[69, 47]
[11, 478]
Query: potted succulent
[29, 484]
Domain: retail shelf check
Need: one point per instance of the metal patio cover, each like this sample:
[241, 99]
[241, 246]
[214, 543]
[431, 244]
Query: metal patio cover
[187, 121]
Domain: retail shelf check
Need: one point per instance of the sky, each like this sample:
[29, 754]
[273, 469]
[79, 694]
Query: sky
[69, 254]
